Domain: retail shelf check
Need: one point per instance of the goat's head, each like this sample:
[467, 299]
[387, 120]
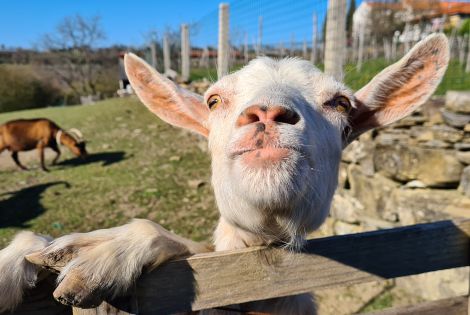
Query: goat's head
[78, 146]
[276, 130]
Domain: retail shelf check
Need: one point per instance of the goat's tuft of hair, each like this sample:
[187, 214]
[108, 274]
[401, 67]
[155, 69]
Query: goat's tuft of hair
[16, 273]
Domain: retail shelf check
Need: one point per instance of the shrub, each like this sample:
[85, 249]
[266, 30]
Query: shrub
[22, 88]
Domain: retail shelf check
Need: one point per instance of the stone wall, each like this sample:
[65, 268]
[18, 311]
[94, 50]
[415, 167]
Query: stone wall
[414, 171]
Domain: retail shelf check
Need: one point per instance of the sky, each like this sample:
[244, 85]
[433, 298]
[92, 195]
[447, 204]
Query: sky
[23, 22]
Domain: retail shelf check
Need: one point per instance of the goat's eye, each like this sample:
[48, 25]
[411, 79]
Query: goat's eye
[340, 104]
[213, 101]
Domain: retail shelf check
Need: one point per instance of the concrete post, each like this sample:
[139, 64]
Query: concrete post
[245, 48]
[304, 50]
[185, 52]
[467, 66]
[259, 44]
[153, 52]
[292, 45]
[223, 46]
[335, 45]
[313, 57]
[166, 54]
[360, 54]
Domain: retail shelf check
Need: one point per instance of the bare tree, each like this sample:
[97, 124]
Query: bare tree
[71, 53]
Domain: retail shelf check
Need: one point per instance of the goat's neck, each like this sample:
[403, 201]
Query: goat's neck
[228, 237]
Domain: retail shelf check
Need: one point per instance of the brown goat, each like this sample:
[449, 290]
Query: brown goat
[28, 134]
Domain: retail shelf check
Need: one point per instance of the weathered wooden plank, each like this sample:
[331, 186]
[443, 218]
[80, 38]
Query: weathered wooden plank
[223, 278]
[452, 306]
[103, 309]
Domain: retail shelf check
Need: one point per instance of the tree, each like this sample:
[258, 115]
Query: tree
[71, 56]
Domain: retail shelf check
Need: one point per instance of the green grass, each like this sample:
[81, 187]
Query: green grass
[200, 73]
[454, 79]
[383, 301]
[140, 167]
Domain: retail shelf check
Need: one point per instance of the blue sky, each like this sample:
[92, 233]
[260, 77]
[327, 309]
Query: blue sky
[22, 22]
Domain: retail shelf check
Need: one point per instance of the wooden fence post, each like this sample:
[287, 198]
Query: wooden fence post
[396, 36]
[260, 36]
[467, 66]
[335, 38]
[281, 49]
[185, 52]
[245, 48]
[461, 44]
[292, 45]
[387, 49]
[153, 52]
[313, 57]
[223, 47]
[166, 54]
[304, 50]
[360, 54]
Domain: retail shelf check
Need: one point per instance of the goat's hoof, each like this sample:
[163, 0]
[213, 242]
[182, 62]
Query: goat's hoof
[73, 291]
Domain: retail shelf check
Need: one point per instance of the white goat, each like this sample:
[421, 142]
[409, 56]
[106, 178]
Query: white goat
[276, 130]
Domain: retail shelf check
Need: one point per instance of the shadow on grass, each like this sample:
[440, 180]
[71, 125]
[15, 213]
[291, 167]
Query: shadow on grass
[23, 205]
[106, 159]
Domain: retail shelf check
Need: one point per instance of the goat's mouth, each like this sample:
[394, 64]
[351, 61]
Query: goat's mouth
[263, 157]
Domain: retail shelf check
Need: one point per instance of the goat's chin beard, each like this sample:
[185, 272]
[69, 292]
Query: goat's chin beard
[280, 203]
[271, 187]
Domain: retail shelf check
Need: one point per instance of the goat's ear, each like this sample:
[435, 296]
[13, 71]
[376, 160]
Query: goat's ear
[402, 87]
[173, 104]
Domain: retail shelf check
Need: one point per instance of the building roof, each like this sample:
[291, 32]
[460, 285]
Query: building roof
[452, 7]
[432, 8]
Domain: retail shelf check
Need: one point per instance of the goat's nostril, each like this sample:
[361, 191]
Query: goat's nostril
[286, 116]
[263, 114]
[283, 115]
[252, 118]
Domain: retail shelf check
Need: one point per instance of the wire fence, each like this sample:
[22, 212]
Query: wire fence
[336, 35]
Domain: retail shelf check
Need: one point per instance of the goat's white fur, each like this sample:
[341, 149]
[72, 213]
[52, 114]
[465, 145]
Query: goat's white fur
[280, 203]
[58, 136]
[16, 273]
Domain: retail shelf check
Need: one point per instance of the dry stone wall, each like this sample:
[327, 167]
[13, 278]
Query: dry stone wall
[414, 171]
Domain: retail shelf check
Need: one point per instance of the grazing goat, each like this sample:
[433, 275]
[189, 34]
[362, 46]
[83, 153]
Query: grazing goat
[276, 130]
[28, 134]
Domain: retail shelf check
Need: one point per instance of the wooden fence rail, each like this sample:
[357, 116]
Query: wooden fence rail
[224, 278]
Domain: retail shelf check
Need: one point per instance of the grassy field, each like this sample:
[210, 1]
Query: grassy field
[454, 79]
[138, 167]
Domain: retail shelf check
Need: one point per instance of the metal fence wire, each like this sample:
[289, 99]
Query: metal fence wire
[342, 37]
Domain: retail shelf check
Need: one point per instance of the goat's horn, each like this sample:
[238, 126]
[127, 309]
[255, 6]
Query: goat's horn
[77, 133]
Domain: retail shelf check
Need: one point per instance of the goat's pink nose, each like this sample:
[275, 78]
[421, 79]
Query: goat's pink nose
[264, 114]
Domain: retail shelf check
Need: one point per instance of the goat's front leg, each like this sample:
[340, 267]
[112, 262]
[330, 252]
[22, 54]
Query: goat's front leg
[103, 264]
[57, 151]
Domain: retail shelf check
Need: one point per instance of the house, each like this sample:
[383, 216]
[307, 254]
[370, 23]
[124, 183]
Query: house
[385, 17]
